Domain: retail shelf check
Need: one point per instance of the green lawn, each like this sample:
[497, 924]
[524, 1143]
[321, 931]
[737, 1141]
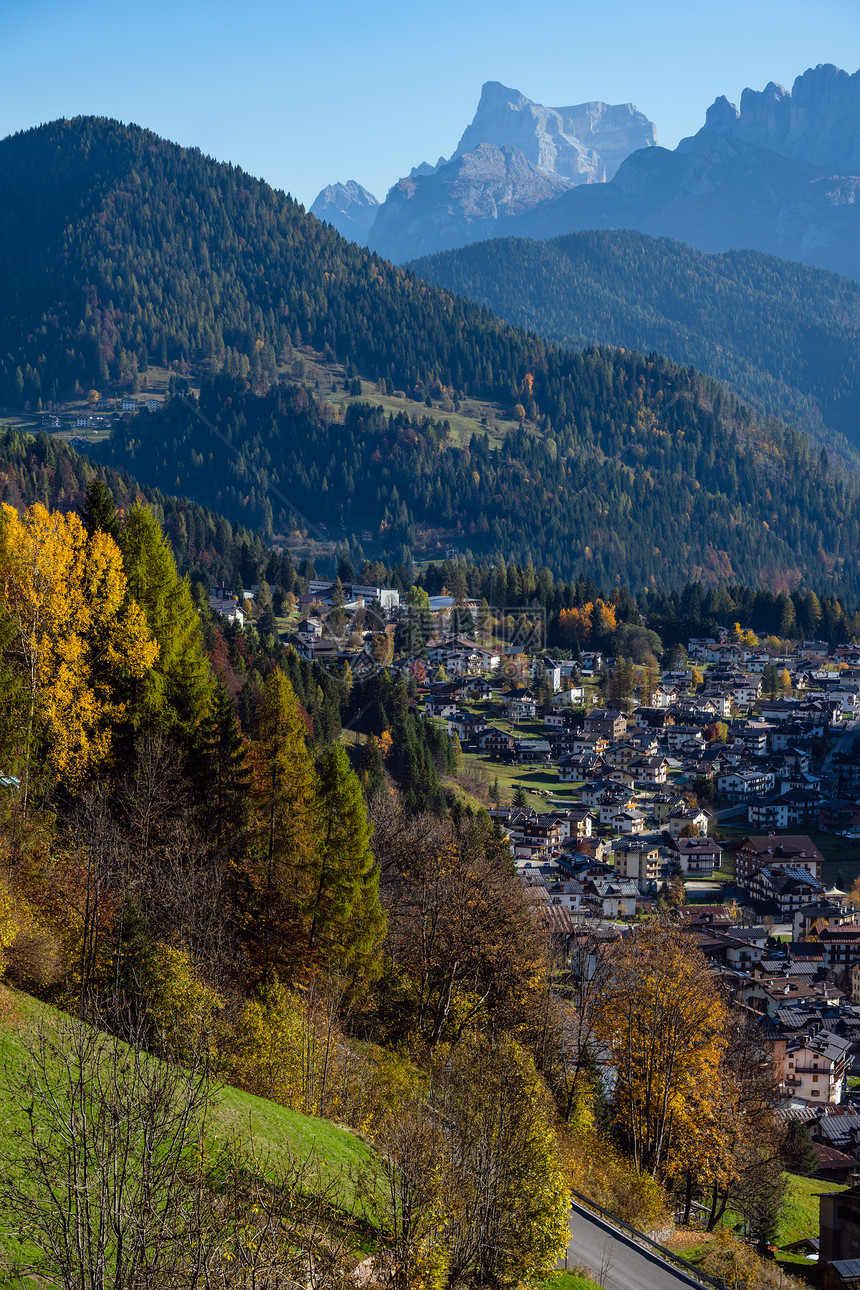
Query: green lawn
[800, 1217]
[509, 776]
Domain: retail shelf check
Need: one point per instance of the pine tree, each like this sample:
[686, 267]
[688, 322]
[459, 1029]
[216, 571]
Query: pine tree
[372, 768]
[223, 770]
[286, 814]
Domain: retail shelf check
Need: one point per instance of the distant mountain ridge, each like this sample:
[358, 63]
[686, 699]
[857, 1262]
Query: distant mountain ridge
[781, 175]
[514, 155]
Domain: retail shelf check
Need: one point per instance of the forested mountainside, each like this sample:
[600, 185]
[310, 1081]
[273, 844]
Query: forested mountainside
[652, 477]
[781, 334]
[118, 246]
[38, 468]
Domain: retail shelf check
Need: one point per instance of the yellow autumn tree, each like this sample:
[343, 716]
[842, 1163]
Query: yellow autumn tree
[72, 638]
[606, 621]
[666, 1032]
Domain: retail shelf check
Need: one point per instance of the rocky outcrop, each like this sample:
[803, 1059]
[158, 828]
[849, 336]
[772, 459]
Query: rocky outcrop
[467, 199]
[818, 121]
[348, 207]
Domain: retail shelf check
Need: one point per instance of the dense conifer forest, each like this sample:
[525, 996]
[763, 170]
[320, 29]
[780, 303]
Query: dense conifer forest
[654, 478]
[783, 335]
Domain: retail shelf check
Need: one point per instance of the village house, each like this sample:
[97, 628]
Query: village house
[494, 742]
[613, 897]
[781, 812]
[610, 802]
[574, 767]
[698, 857]
[663, 804]
[839, 815]
[840, 947]
[530, 838]
[816, 1067]
[531, 752]
[519, 705]
[812, 919]
[654, 718]
[604, 721]
[785, 887]
[687, 821]
[744, 785]
[627, 821]
[566, 893]
[777, 996]
[575, 825]
[572, 696]
[650, 772]
[638, 860]
[465, 725]
[839, 1241]
[798, 850]
[227, 608]
[589, 743]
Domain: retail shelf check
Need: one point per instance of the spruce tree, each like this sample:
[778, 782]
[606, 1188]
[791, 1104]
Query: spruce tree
[222, 770]
[342, 909]
[99, 510]
[175, 694]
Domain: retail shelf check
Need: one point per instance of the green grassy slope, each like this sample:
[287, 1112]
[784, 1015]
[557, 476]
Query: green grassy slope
[275, 1131]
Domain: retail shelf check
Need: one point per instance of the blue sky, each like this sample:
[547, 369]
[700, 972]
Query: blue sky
[304, 94]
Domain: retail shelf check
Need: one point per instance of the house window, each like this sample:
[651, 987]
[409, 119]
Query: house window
[815, 1092]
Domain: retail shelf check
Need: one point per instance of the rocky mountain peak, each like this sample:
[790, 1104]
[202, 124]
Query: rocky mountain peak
[817, 121]
[585, 143]
[349, 207]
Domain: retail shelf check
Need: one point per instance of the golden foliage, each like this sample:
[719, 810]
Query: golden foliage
[77, 638]
[666, 1030]
[9, 923]
[179, 1006]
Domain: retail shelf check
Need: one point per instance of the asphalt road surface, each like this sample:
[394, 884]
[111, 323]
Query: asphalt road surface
[616, 1262]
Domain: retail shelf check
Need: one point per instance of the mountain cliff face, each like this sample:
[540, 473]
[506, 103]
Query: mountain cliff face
[348, 207]
[780, 175]
[515, 155]
[818, 121]
[584, 144]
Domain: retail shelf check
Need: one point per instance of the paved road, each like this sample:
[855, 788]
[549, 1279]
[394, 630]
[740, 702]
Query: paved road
[729, 812]
[616, 1262]
[842, 743]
